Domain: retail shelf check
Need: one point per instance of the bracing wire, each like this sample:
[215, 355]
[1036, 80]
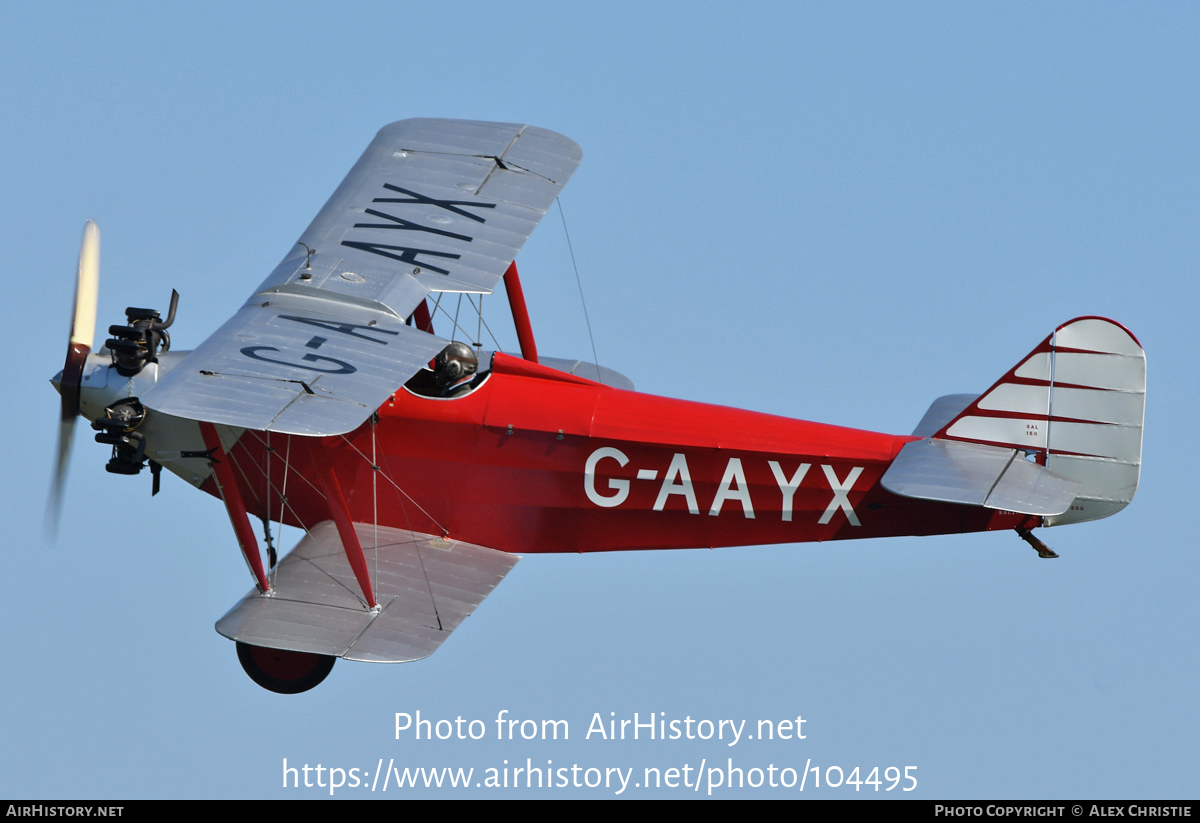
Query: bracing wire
[376, 469]
[375, 502]
[272, 556]
[579, 283]
[454, 320]
[311, 485]
[397, 487]
[479, 328]
[229, 453]
[416, 544]
[287, 506]
[283, 501]
[429, 587]
[433, 313]
[233, 459]
[484, 322]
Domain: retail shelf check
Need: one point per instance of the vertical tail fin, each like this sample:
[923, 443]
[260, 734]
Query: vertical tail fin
[1076, 403]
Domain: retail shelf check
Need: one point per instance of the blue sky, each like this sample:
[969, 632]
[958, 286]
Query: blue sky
[829, 212]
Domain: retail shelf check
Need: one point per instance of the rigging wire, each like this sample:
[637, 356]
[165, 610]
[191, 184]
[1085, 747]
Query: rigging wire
[454, 320]
[375, 501]
[479, 327]
[287, 459]
[485, 323]
[242, 472]
[286, 473]
[445, 531]
[311, 485]
[286, 504]
[416, 544]
[272, 557]
[233, 459]
[433, 313]
[579, 283]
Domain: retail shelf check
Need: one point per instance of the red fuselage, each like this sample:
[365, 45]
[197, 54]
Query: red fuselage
[535, 460]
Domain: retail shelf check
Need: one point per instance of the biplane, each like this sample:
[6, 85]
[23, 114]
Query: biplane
[419, 465]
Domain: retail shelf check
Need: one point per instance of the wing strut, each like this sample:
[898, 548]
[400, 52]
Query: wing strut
[516, 300]
[341, 518]
[421, 317]
[228, 487]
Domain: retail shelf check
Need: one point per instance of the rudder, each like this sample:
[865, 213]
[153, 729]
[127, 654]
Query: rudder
[1077, 404]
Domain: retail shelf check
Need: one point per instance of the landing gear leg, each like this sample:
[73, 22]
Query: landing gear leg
[284, 672]
[1038, 546]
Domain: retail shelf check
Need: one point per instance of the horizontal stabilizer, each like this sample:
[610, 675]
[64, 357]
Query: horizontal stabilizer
[582, 368]
[426, 587]
[942, 411]
[990, 476]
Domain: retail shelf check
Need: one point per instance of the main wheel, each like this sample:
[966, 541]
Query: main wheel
[282, 671]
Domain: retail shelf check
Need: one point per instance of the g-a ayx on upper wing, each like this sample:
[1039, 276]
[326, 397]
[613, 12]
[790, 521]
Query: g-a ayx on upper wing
[431, 206]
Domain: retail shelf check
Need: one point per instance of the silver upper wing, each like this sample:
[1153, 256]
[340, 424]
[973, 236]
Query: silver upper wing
[431, 206]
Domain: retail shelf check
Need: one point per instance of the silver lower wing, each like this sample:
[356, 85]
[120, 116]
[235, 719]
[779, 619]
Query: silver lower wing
[950, 471]
[426, 588]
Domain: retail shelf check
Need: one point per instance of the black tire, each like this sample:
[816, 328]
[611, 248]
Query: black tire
[282, 671]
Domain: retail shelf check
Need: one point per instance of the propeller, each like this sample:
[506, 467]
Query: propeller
[79, 345]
